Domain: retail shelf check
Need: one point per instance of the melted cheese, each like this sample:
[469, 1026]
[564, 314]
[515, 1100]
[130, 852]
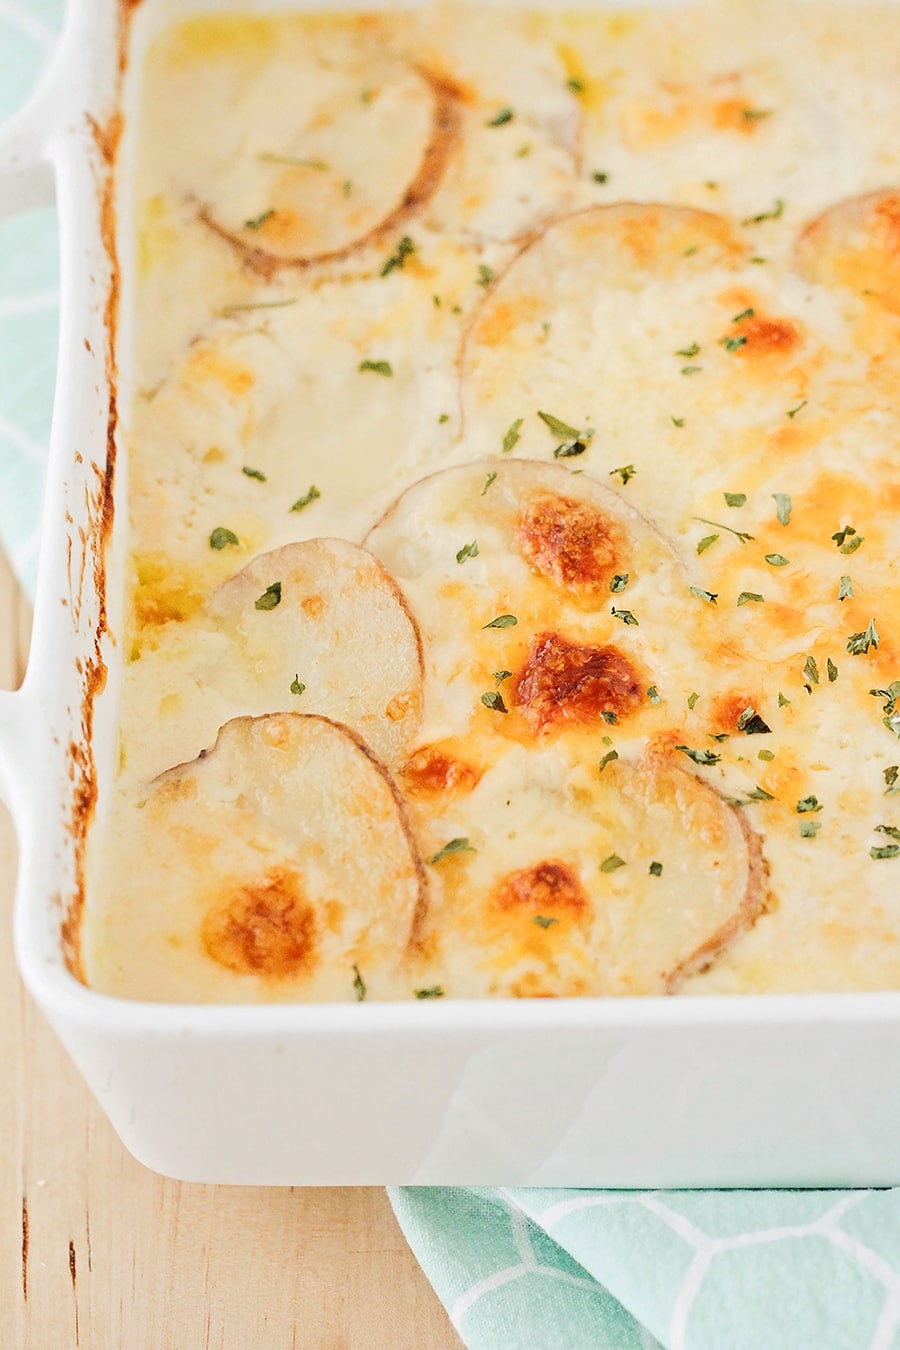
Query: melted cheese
[370, 249]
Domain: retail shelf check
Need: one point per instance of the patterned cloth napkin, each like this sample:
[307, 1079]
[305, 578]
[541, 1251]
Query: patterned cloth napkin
[524, 1269]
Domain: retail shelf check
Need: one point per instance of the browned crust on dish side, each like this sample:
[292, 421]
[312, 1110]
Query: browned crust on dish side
[752, 905]
[445, 132]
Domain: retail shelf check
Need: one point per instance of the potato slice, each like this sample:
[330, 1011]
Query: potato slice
[276, 866]
[579, 883]
[317, 627]
[856, 245]
[542, 592]
[347, 141]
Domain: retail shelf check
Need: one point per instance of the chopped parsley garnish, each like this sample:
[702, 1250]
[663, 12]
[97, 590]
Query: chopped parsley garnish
[811, 670]
[760, 795]
[752, 724]
[467, 551]
[735, 498]
[711, 597]
[599, 177]
[485, 275]
[750, 597]
[268, 158]
[776, 212]
[690, 351]
[792, 412]
[766, 755]
[221, 538]
[677, 421]
[846, 590]
[544, 921]
[699, 756]
[612, 863]
[444, 417]
[843, 535]
[502, 621]
[892, 694]
[626, 473]
[270, 598]
[619, 582]
[608, 759]
[782, 701]
[755, 115]
[359, 985]
[513, 436]
[460, 845]
[379, 367]
[654, 695]
[885, 851]
[810, 828]
[575, 442]
[434, 992]
[501, 675]
[890, 830]
[577, 86]
[860, 643]
[807, 805]
[254, 473]
[610, 718]
[501, 118]
[625, 615]
[890, 780]
[731, 344]
[302, 502]
[494, 701]
[741, 535]
[783, 506]
[691, 370]
[259, 221]
[491, 478]
[693, 701]
[655, 869]
[706, 542]
[777, 560]
[399, 256]
[744, 314]
[296, 686]
[832, 670]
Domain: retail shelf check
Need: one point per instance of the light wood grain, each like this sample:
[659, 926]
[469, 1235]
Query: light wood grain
[96, 1252]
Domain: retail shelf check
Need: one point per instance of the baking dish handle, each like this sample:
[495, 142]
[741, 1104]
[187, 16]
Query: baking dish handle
[16, 749]
[26, 172]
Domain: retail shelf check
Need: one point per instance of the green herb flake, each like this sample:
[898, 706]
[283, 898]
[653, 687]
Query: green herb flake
[434, 992]
[485, 275]
[379, 367]
[655, 869]
[259, 221]
[752, 724]
[692, 350]
[612, 863]
[832, 670]
[398, 258]
[775, 214]
[459, 845]
[626, 473]
[890, 830]
[599, 177]
[777, 560]
[359, 985]
[227, 311]
[733, 344]
[811, 670]
[760, 795]
[501, 118]
[619, 582]
[755, 115]
[513, 436]
[608, 758]
[699, 756]
[860, 643]
[807, 805]
[783, 506]
[254, 473]
[706, 542]
[691, 370]
[494, 701]
[677, 421]
[544, 921]
[502, 621]
[782, 701]
[577, 86]
[693, 701]
[890, 780]
[710, 597]
[491, 478]
[319, 164]
[792, 412]
[735, 498]
[740, 535]
[626, 616]
[444, 417]
[296, 686]
[810, 828]
[302, 502]
[744, 314]
[467, 551]
[575, 442]
[221, 538]
[654, 695]
[846, 590]
[270, 598]
[758, 260]
[885, 851]
[610, 718]
[766, 755]
[750, 597]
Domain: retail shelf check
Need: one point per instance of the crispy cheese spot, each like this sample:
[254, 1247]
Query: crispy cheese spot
[266, 928]
[767, 337]
[431, 771]
[571, 542]
[550, 887]
[563, 681]
[727, 710]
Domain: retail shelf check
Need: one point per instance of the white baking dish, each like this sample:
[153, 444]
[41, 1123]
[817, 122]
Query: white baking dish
[797, 1090]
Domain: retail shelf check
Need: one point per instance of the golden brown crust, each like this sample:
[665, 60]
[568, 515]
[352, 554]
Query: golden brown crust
[267, 927]
[567, 682]
[573, 543]
[549, 887]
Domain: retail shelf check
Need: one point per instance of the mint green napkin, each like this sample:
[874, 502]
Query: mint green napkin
[522, 1269]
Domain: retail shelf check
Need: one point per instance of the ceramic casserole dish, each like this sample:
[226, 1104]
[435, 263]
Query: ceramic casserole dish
[781, 1090]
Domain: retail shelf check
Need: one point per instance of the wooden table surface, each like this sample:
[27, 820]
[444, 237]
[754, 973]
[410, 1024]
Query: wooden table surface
[98, 1253]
